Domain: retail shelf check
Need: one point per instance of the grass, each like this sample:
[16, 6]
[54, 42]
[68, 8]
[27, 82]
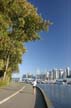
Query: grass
[4, 83]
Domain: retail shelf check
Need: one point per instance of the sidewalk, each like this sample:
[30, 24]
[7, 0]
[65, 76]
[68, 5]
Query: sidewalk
[33, 97]
[27, 98]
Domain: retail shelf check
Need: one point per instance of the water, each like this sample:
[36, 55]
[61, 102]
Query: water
[59, 95]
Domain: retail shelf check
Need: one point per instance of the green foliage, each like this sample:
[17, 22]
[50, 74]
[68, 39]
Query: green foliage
[19, 23]
[5, 82]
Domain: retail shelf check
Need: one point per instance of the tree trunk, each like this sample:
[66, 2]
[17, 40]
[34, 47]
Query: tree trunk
[7, 63]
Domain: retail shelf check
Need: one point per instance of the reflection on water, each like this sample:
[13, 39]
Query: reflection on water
[60, 95]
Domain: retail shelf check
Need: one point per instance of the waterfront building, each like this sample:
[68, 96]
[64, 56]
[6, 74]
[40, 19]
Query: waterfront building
[68, 71]
[65, 74]
[61, 73]
[41, 76]
[50, 75]
[54, 73]
[47, 75]
[24, 76]
[57, 74]
[29, 75]
[38, 76]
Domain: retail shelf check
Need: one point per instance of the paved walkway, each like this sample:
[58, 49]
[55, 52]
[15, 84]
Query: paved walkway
[23, 98]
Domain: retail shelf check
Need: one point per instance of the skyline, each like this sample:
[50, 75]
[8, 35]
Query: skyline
[53, 49]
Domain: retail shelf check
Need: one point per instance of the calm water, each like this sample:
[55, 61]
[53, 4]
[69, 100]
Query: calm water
[60, 95]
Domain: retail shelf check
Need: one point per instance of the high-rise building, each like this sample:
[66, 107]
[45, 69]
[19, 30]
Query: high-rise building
[61, 72]
[57, 74]
[68, 72]
[54, 73]
[50, 75]
[47, 75]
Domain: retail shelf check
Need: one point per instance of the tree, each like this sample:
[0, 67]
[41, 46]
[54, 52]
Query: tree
[19, 23]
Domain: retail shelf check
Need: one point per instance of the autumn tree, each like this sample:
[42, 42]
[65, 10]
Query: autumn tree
[19, 23]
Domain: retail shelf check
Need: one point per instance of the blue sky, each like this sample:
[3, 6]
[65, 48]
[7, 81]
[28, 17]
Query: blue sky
[53, 50]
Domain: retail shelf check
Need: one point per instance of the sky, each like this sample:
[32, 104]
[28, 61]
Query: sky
[53, 50]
